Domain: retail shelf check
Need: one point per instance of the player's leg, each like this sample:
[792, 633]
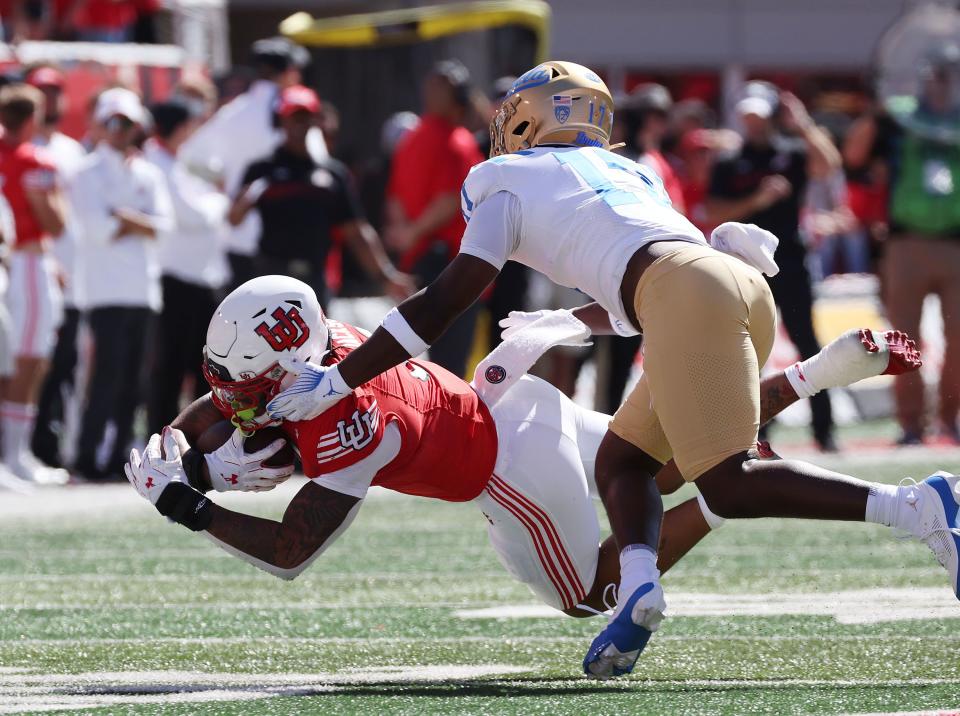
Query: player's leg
[710, 413]
[906, 282]
[541, 519]
[949, 292]
[34, 302]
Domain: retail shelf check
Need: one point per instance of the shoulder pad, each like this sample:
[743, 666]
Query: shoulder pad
[485, 179]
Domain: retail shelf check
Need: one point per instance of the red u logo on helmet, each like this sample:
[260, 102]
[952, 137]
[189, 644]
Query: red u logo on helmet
[290, 331]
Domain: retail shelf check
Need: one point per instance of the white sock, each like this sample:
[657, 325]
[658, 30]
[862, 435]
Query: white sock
[17, 421]
[638, 565]
[841, 362]
[713, 520]
[885, 503]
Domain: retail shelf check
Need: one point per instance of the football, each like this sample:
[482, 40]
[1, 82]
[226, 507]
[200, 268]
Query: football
[216, 435]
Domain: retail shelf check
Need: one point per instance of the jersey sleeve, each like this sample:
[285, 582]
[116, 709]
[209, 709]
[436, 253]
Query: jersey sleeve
[493, 233]
[40, 175]
[346, 434]
[356, 479]
[483, 181]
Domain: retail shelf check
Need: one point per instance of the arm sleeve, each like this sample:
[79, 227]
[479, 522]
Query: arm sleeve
[493, 233]
[355, 480]
[160, 209]
[195, 205]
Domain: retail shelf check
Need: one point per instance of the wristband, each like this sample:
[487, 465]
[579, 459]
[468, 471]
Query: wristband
[185, 506]
[192, 461]
[622, 328]
[396, 325]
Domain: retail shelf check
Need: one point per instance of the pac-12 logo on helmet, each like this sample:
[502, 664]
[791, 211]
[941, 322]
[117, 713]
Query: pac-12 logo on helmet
[290, 331]
[562, 104]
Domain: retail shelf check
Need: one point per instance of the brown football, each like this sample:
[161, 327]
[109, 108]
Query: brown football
[217, 434]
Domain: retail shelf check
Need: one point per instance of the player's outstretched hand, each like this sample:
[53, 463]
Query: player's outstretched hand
[903, 356]
[516, 320]
[157, 467]
[232, 468]
[316, 389]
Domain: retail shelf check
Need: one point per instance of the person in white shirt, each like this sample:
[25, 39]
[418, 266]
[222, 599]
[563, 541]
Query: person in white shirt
[57, 392]
[122, 207]
[245, 130]
[192, 261]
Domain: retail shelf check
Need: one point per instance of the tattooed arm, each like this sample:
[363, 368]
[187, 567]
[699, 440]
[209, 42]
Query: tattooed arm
[313, 520]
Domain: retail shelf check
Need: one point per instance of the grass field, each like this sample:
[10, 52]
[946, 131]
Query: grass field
[105, 608]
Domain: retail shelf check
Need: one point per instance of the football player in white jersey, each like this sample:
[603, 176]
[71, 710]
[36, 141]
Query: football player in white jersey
[554, 198]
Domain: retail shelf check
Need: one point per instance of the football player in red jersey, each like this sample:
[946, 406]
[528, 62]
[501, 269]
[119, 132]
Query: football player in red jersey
[29, 181]
[511, 443]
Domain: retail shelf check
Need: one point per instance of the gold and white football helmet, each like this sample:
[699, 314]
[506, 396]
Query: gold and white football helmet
[554, 103]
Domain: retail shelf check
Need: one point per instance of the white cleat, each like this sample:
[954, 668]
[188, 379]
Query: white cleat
[28, 468]
[11, 483]
[937, 501]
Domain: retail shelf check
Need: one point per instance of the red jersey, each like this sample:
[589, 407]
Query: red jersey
[22, 167]
[448, 437]
[432, 159]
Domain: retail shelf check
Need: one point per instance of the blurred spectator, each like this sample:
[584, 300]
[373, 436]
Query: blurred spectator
[199, 94]
[97, 20]
[697, 152]
[121, 205]
[832, 229]
[29, 182]
[66, 153]
[8, 481]
[424, 223]
[764, 183]
[646, 113]
[244, 131]
[192, 261]
[922, 254]
[302, 201]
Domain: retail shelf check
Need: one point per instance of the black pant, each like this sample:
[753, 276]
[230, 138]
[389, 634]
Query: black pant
[57, 392]
[241, 269]
[181, 334]
[623, 352]
[794, 296]
[120, 335]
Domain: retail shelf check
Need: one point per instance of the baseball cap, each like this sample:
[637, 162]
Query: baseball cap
[45, 77]
[123, 102]
[758, 106]
[297, 98]
[279, 53]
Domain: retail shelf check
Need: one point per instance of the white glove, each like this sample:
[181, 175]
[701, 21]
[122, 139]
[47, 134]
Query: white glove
[316, 389]
[231, 468]
[516, 320]
[749, 243]
[159, 465]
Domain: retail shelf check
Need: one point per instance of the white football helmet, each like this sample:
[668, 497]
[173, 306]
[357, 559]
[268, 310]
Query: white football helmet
[255, 325]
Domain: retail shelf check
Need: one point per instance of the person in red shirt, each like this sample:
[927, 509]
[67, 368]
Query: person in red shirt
[423, 221]
[511, 443]
[34, 297]
[647, 111]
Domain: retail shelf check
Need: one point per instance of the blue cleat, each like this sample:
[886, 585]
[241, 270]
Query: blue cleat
[938, 521]
[615, 651]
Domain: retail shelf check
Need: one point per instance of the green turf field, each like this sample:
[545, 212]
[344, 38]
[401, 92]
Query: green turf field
[108, 609]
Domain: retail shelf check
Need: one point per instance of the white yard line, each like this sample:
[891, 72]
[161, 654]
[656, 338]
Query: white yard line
[860, 606]
[467, 639]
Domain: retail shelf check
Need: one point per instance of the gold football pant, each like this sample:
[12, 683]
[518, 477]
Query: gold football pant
[708, 324]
